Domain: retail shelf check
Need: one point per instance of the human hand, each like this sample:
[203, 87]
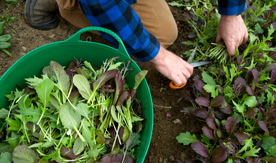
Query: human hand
[172, 66]
[232, 31]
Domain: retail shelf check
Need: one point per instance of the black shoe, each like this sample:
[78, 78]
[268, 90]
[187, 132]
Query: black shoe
[41, 14]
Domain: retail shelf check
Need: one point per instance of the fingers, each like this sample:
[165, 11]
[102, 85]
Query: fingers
[218, 37]
[245, 38]
[172, 66]
[179, 80]
[231, 47]
[185, 72]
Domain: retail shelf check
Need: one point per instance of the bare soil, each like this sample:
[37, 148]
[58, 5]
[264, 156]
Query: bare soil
[164, 146]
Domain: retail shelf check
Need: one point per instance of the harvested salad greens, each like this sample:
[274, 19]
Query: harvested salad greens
[79, 114]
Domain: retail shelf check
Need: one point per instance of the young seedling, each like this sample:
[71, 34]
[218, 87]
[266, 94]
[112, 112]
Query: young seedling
[3, 40]
[11, 2]
[8, 19]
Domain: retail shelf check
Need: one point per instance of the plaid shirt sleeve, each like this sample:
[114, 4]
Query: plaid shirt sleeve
[231, 7]
[119, 16]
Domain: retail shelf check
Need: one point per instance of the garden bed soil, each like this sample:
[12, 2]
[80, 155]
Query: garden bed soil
[164, 146]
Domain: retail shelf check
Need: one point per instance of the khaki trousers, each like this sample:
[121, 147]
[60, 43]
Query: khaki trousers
[154, 14]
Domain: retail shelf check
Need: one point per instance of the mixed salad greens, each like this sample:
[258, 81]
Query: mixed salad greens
[78, 114]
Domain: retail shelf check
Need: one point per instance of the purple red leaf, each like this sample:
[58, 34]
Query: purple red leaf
[272, 76]
[239, 86]
[203, 101]
[274, 25]
[104, 78]
[263, 126]
[208, 132]
[122, 98]
[241, 137]
[200, 149]
[230, 125]
[211, 123]
[200, 112]
[249, 76]
[249, 90]
[219, 154]
[199, 86]
[250, 114]
[119, 83]
[250, 160]
[239, 59]
[226, 108]
[117, 158]
[217, 101]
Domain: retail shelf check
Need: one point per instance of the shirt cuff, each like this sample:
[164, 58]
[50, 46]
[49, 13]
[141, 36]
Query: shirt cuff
[235, 10]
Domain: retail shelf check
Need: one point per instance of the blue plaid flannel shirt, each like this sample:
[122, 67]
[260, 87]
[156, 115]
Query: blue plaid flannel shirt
[118, 16]
[231, 7]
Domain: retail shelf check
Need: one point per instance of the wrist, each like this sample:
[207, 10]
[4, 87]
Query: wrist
[159, 55]
[230, 16]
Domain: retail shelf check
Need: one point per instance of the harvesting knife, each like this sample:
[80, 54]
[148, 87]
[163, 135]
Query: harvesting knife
[195, 64]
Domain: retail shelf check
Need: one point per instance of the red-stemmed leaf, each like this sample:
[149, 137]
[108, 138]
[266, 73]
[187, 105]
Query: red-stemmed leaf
[211, 123]
[217, 101]
[104, 78]
[272, 54]
[271, 67]
[269, 43]
[237, 160]
[122, 98]
[239, 86]
[253, 8]
[132, 94]
[241, 137]
[249, 90]
[71, 66]
[272, 76]
[203, 101]
[219, 154]
[254, 73]
[274, 25]
[250, 160]
[230, 125]
[200, 149]
[208, 132]
[117, 158]
[68, 153]
[199, 86]
[263, 126]
[239, 59]
[226, 108]
[249, 76]
[250, 114]
[119, 83]
[200, 112]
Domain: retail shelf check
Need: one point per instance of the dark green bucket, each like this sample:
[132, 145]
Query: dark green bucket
[64, 52]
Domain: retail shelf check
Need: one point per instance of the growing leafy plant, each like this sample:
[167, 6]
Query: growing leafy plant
[236, 99]
[11, 2]
[3, 39]
[8, 20]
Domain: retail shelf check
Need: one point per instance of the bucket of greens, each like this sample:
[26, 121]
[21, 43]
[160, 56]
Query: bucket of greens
[75, 101]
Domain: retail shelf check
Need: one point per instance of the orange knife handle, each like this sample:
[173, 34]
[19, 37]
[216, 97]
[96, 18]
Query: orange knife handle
[174, 87]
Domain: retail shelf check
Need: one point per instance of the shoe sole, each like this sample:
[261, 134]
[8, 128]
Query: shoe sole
[41, 26]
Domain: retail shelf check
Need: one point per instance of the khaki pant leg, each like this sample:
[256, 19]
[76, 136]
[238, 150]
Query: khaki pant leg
[71, 11]
[154, 14]
[157, 18]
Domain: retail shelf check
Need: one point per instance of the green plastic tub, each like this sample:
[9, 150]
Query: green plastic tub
[64, 52]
